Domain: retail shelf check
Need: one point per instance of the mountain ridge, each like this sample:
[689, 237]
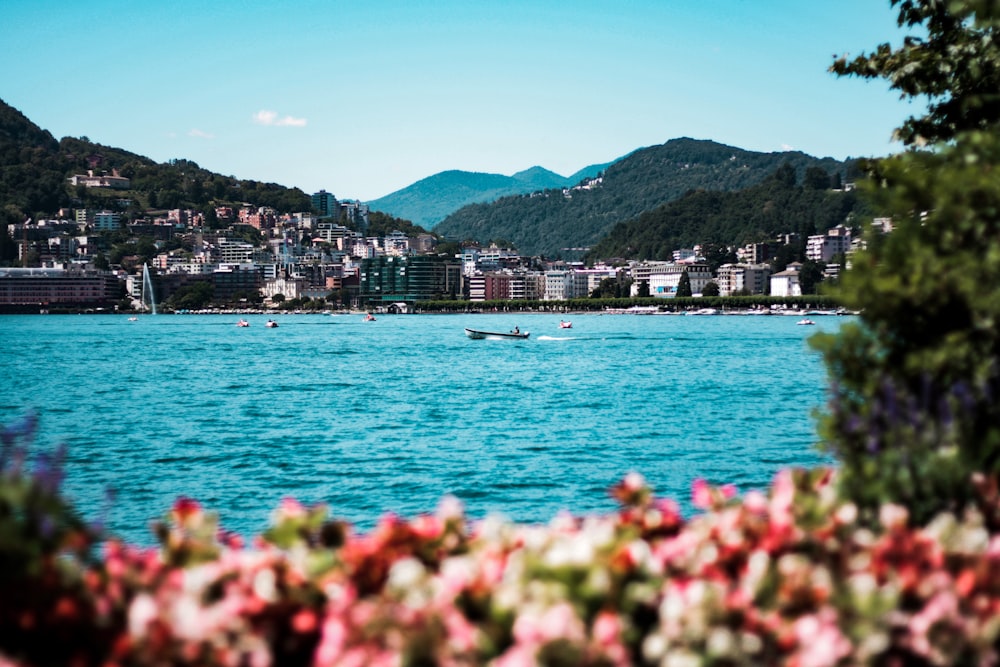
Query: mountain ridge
[431, 199]
[554, 223]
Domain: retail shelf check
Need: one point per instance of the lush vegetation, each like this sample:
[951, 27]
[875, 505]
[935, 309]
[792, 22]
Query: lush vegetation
[914, 407]
[780, 204]
[34, 169]
[549, 223]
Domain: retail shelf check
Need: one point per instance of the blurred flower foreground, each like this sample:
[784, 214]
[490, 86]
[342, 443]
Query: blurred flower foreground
[891, 558]
[791, 577]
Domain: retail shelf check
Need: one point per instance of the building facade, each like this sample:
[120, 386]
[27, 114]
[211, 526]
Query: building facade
[410, 278]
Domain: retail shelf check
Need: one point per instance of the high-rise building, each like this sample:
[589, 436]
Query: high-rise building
[326, 204]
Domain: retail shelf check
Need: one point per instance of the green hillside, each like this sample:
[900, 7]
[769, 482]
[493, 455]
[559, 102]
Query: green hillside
[555, 224]
[430, 200]
[780, 204]
[34, 169]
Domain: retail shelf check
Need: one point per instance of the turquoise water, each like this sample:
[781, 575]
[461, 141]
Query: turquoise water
[373, 417]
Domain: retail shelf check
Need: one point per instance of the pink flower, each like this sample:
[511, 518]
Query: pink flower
[291, 508]
[185, 507]
[820, 642]
[701, 494]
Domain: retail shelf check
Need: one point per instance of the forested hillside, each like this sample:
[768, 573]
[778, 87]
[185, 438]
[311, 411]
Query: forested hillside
[430, 200]
[552, 224]
[31, 170]
[778, 205]
[34, 169]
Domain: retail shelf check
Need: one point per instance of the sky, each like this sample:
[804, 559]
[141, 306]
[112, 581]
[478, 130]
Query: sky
[366, 97]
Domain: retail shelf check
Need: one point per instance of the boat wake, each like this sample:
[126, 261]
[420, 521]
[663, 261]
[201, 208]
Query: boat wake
[556, 338]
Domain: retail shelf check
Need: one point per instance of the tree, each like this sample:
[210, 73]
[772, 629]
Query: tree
[609, 288]
[955, 66]
[192, 296]
[913, 414]
[810, 276]
[711, 289]
[684, 285]
[816, 178]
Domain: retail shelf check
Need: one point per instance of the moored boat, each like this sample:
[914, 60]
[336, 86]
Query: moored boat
[496, 335]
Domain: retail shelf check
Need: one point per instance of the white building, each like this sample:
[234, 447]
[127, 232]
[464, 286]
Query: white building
[786, 283]
[664, 278]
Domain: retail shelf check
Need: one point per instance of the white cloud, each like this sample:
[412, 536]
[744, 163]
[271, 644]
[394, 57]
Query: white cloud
[265, 117]
[787, 147]
[200, 134]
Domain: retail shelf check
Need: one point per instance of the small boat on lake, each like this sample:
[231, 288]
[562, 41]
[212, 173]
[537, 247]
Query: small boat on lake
[565, 325]
[369, 318]
[476, 334]
[805, 322]
[242, 323]
[271, 324]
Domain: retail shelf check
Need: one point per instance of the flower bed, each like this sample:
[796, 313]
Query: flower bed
[786, 577]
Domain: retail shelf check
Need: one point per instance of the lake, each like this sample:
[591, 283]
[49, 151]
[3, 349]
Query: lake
[391, 415]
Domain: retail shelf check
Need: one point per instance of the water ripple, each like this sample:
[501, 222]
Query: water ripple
[392, 416]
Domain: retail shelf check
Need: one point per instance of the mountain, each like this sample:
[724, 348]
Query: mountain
[553, 223]
[31, 168]
[779, 204]
[34, 168]
[430, 200]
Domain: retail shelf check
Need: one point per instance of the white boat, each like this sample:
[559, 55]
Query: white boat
[495, 335]
[805, 322]
[271, 324]
[242, 323]
[565, 325]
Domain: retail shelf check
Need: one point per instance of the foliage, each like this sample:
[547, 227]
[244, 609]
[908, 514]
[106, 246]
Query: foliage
[382, 224]
[777, 205]
[683, 285]
[195, 295]
[954, 63]
[550, 222]
[44, 545]
[34, 169]
[913, 413]
[710, 289]
[914, 403]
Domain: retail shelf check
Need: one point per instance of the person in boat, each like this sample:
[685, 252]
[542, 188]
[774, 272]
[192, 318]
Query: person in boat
[516, 329]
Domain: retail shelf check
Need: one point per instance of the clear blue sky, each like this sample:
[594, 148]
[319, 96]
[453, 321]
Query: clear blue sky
[365, 97]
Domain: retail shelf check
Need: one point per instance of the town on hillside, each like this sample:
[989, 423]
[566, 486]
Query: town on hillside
[253, 256]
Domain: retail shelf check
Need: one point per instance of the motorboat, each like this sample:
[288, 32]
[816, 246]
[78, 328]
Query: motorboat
[271, 324]
[369, 318]
[476, 334]
[565, 325]
[242, 323]
[805, 322]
